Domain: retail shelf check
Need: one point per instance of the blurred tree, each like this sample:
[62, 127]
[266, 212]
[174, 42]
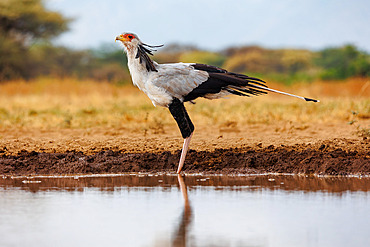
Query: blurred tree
[13, 62]
[343, 62]
[23, 22]
[59, 61]
[283, 65]
[294, 61]
[110, 64]
[108, 53]
[251, 59]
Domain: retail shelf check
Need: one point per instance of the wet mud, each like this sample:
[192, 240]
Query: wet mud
[239, 182]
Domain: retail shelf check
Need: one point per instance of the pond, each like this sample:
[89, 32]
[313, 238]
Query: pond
[190, 210]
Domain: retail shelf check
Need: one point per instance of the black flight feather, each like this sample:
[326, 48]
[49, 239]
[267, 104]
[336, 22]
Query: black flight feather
[220, 79]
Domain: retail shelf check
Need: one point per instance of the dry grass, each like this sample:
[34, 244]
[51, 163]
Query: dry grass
[55, 103]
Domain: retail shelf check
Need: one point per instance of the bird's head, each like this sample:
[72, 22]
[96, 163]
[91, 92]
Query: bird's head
[129, 40]
[132, 41]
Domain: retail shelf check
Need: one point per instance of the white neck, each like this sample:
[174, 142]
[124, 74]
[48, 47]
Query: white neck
[137, 70]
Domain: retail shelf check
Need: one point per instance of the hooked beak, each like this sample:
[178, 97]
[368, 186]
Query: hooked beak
[120, 38]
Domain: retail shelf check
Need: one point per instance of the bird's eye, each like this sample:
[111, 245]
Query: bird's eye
[130, 37]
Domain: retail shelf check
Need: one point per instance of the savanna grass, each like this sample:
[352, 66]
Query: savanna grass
[68, 103]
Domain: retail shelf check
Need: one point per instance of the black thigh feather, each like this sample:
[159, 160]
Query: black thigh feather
[182, 118]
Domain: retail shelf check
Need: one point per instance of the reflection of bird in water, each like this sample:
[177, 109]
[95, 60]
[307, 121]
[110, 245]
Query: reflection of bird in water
[170, 85]
[180, 235]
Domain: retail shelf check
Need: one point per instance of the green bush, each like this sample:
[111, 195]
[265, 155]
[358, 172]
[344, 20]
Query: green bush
[343, 62]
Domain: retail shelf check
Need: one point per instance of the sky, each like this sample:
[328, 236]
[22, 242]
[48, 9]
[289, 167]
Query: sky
[218, 24]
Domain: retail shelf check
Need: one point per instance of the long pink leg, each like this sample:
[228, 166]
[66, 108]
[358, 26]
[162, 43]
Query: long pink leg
[185, 148]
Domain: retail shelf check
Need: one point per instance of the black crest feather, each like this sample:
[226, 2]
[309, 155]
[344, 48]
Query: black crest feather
[142, 53]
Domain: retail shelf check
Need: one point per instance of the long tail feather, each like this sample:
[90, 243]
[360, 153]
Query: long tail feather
[238, 84]
[280, 92]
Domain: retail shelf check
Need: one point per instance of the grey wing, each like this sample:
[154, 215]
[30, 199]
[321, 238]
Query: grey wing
[178, 79]
[190, 81]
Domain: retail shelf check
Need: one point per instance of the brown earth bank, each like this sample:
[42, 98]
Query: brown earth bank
[255, 149]
[310, 160]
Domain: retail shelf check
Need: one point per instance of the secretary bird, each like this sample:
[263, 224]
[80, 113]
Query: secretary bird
[170, 85]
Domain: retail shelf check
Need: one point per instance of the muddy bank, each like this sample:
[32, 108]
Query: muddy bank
[320, 158]
[333, 148]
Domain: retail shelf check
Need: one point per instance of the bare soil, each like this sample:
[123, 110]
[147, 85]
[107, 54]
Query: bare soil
[324, 148]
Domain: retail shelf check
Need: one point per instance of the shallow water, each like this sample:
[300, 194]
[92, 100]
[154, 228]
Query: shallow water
[167, 210]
